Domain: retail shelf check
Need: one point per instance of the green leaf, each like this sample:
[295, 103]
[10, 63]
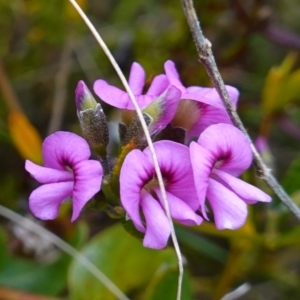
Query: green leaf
[123, 259]
[290, 181]
[201, 244]
[281, 86]
[165, 283]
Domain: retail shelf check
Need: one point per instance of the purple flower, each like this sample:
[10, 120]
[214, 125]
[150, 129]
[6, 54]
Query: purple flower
[67, 172]
[140, 191]
[160, 102]
[206, 107]
[120, 99]
[220, 155]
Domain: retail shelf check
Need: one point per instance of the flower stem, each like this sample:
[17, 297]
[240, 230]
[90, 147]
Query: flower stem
[147, 135]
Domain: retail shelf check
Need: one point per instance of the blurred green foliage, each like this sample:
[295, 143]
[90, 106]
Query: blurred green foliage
[45, 48]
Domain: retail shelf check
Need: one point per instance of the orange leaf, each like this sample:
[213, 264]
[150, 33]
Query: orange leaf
[25, 137]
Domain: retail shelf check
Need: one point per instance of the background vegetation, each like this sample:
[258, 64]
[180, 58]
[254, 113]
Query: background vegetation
[45, 49]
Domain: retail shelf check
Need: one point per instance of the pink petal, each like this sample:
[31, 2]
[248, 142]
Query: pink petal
[208, 115]
[210, 96]
[157, 225]
[144, 100]
[137, 78]
[180, 211]
[158, 86]
[118, 98]
[173, 76]
[175, 164]
[112, 95]
[47, 175]
[249, 193]
[62, 149]
[229, 146]
[230, 212]
[202, 164]
[44, 201]
[136, 171]
[88, 178]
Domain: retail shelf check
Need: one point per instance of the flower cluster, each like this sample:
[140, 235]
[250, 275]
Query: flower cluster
[200, 153]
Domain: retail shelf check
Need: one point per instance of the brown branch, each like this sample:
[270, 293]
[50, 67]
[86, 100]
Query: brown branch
[207, 59]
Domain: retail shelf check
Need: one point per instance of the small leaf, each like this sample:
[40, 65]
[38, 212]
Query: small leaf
[201, 244]
[164, 285]
[25, 137]
[123, 259]
[279, 86]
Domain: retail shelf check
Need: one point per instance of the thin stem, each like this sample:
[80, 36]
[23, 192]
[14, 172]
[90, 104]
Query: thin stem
[207, 58]
[147, 135]
[47, 235]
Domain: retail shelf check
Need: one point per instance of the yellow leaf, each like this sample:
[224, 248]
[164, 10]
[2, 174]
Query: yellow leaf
[25, 137]
[274, 90]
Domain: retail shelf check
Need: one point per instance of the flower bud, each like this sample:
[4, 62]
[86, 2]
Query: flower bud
[93, 122]
[135, 132]
[83, 97]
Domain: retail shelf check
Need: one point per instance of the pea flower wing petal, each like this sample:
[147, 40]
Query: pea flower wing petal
[158, 227]
[88, 178]
[44, 201]
[47, 175]
[249, 193]
[230, 212]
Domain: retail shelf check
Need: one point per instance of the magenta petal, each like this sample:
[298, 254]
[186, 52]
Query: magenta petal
[180, 211]
[173, 76]
[112, 95]
[208, 115]
[47, 175]
[158, 85]
[175, 164]
[230, 212]
[144, 100]
[136, 78]
[229, 147]
[202, 164]
[88, 178]
[210, 96]
[249, 193]
[64, 148]
[44, 201]
[136, 171]
[203, 95]
[157, 224]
